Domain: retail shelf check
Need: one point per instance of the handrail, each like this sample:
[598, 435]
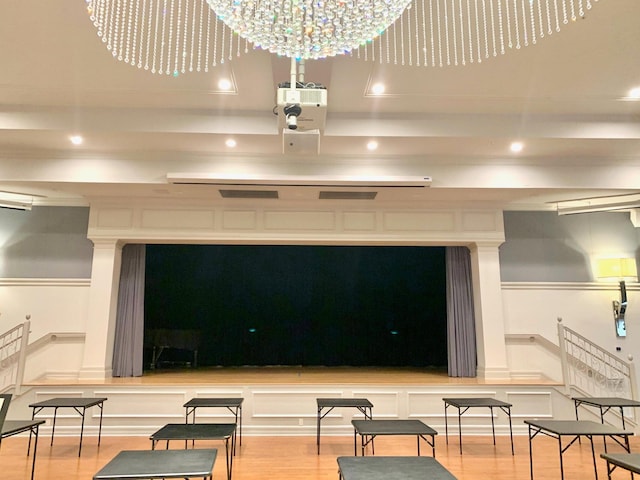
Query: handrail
[588, 367]
[13, 354]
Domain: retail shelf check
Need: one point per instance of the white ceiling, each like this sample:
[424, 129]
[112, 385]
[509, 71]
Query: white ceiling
[563, 98]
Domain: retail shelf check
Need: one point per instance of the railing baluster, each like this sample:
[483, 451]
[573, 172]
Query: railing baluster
[587, 366]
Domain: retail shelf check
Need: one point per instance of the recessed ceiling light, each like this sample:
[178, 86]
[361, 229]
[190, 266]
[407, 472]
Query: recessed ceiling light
[372, 145]
[516, 147]
[377, 89]
[224, 84]
[230, 143]
[634, 93]
[76, 139]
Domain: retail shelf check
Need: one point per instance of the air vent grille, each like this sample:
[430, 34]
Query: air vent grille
[329, 195]
[249, 194]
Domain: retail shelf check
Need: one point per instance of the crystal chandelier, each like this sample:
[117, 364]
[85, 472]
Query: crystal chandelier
[308, 29]
[174, 37]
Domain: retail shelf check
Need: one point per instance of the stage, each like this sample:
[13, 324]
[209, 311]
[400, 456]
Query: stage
[296, 375]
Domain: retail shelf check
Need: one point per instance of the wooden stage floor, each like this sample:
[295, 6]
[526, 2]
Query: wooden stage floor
[297, 376]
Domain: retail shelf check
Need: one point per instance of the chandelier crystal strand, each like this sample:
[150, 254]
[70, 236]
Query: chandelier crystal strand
[493, 29]
[177, 50]
[183, 51]
[130, 17]
[136, 30]
[455, 33]
[549, 30]
[525, 32]
[470, 33]
[120, 29]
[485, 29]
[222, 47]
[417, 30]
[170, 38]
[110, 30]
[193, 37]
[148, 46]
[200, 24]
[532, 17]
[463, 54]
[424, 34]
[478, 43]
[402, 39]
[215, 42]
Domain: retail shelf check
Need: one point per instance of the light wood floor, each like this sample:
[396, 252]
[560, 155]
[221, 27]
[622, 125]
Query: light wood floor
[295, 458]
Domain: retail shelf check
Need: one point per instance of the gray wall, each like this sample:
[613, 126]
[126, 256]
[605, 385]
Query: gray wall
[51, 242]
[546, 247]
[46, 242]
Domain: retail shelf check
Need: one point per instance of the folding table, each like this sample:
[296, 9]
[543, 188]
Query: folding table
[369, 429]
[604, 404]
[464, 404]
[146, 464]
[387, 468]
[78, 404]
[361, 404]
[234, 405]
[575, 429]
[199, 431]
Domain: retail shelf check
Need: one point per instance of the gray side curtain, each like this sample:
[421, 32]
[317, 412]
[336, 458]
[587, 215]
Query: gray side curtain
[129, 335]
[461, 330]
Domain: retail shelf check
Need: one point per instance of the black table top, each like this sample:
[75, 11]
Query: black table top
[85, 402]
[629, 461]
[344, 402]
[607, 401]
[214, 402]
[392, 468]
[392, 427]
[11, 427]
[476, 402]
[194, 431]
[159, 464]
[577, 427]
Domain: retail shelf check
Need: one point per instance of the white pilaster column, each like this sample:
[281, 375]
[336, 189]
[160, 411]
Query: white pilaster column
[487, 299]
[101, 316]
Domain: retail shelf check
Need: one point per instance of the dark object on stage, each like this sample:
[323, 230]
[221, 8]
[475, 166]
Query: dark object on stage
[162, 340]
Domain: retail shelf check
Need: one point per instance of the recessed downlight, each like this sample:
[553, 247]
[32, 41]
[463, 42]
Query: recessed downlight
[372, 145]
[516, 147]
[76, 139]
[224, 84]
[634, 93]
[377, 88]
[230, 143]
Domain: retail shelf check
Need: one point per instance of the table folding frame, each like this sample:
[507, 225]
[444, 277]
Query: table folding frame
[370, 429]
[14, 427]
[574, 430]
[604, 404]
[78, 404]
[626, 461]
[199, 431]
[326, 405]
[234, 405]
[464, 404]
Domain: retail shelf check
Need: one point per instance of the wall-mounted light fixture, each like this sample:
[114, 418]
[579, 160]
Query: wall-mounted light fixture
[620, 269]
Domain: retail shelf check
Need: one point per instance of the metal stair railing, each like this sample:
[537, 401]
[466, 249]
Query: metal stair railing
[13, 354]
[592, 369]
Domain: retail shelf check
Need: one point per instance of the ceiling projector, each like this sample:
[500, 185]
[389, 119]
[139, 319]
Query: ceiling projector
[301, 108]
